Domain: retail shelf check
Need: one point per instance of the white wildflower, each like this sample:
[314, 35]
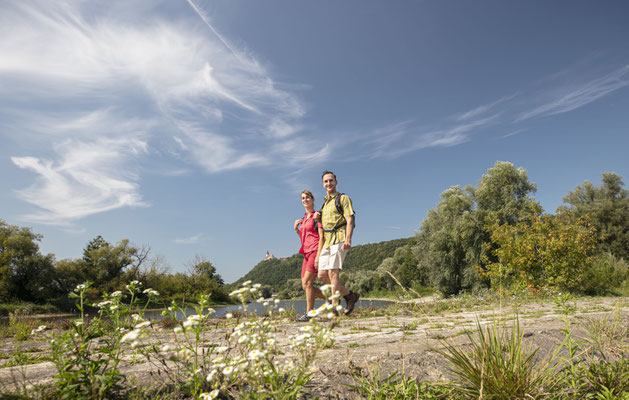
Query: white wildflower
[229, 315]
[228, 370]
[142, 325]
[130, 336]
[255, 354]
[178, 329]
[222, 349]
[335, 296]
[117, 293]
[190, 322]
[210, 377]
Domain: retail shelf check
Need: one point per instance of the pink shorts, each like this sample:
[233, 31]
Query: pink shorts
[309, 263]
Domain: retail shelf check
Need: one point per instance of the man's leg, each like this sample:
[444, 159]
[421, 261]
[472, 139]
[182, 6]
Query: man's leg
[311, 291]
[335, 281]
[338, 255]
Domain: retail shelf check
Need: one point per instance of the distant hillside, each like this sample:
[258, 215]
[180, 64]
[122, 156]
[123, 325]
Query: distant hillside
[276, 273]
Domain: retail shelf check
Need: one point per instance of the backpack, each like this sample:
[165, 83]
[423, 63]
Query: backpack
[339, 209]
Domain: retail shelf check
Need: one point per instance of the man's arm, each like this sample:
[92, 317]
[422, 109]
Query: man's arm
[347, 244]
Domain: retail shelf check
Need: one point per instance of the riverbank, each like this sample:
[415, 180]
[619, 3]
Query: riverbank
[399, 339]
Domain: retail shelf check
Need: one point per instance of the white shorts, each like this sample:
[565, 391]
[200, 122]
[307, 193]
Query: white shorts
[332, 257]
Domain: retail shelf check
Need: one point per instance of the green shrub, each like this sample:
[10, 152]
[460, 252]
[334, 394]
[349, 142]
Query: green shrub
[498, 366]
[607, 272]
[370, 386]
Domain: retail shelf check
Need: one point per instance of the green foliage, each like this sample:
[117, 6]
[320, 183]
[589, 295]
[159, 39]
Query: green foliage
[540, 251]
[607, 206]
[283, 275]
[88, 355]
[446, 242]
[25, 274]
[607, 273]
[498, 366]
[451, 237]
[369, 385]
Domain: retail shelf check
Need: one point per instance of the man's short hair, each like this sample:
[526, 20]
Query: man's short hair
[328, 172]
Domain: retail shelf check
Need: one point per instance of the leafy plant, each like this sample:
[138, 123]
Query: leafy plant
[539, 251]
[498, 366]
[369, 385]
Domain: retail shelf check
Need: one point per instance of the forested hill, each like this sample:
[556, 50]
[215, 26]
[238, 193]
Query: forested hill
[276, 272]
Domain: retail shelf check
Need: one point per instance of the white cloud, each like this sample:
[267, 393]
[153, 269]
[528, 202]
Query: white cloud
[190, 240]
[87, 179]
[580, 95]
[111, 88]
[403, 138]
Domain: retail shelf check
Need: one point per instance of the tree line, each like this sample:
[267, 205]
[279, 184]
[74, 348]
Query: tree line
[496, 236]
[27, 275]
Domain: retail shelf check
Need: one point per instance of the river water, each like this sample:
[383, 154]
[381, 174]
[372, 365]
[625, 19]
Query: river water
[298, 305]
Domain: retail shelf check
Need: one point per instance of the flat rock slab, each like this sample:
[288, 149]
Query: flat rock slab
[402, 343]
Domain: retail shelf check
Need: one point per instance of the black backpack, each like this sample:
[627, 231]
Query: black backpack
[339, 209]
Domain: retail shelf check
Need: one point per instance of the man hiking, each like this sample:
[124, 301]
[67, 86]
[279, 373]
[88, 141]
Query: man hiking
[337, 219]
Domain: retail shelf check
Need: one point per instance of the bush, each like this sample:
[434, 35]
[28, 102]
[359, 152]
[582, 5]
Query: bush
[540, 251]
[605, 273]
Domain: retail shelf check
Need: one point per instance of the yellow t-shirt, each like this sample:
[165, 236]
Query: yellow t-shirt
[331, 218]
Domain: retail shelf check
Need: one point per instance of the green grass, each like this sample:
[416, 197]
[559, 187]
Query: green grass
[497, 366]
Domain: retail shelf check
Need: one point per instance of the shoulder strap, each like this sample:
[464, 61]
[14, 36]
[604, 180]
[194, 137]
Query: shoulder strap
[338, 204]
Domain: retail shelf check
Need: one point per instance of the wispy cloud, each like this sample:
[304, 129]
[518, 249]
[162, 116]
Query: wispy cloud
[402, 138]
[581, 95]
[191, 240]
[88, 178]
[482, 109]
[513, 133]
[116, 89]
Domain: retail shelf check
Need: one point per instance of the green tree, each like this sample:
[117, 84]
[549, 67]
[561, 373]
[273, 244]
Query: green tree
[205, 280]
[541, 251]
[25, 274]
[607, 206]
[451, 237]
[446, 241]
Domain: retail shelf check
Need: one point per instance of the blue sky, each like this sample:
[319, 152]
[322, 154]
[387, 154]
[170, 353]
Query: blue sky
[192, 126]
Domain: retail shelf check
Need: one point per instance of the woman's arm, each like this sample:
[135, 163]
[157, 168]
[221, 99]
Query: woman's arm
[296, 226]
[320, 247]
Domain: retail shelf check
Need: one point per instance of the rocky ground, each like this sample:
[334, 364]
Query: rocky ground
[400, 340]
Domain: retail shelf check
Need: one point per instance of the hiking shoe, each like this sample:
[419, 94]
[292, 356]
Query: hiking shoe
[351, 300]
[303, 318]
